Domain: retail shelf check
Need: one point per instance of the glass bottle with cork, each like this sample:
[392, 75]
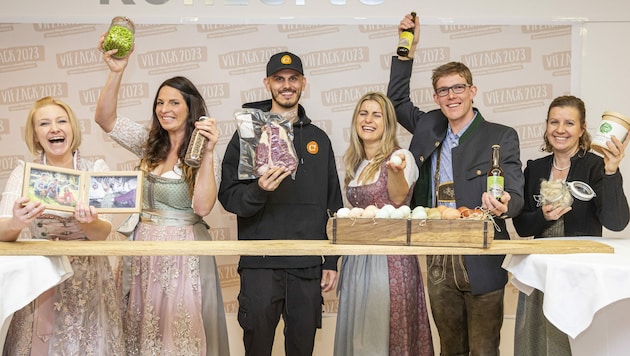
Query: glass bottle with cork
[196, 147]
[495, 174]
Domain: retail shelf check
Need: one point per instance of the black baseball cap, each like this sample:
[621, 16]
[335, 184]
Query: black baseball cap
[284, 60]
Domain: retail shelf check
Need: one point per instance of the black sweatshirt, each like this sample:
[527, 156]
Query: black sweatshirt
[298, 209]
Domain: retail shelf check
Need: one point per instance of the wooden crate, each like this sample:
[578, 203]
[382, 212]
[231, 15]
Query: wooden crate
[408, 232]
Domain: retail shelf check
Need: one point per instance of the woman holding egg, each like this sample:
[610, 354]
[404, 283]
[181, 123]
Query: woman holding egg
[382, 308]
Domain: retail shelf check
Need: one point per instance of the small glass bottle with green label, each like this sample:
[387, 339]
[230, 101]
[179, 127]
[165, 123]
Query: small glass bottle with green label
[495, 174]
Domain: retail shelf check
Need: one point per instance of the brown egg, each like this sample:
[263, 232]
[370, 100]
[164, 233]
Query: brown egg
[433, 214]
[464, 211]
[450, 214]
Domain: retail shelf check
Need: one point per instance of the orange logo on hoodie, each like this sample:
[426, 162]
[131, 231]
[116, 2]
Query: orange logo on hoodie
[312, 147]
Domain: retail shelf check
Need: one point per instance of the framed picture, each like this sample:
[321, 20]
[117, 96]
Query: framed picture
[57, 188]
[115, 192]
[61, 188]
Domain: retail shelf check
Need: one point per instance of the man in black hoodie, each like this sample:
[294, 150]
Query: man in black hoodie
[274, 207]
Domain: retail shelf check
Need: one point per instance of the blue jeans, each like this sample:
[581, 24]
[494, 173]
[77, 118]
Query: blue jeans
[467, 324]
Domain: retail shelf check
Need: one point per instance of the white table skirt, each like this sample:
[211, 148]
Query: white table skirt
[586, 295]
[24, 278]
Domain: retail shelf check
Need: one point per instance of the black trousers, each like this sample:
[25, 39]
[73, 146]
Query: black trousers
[267, 294]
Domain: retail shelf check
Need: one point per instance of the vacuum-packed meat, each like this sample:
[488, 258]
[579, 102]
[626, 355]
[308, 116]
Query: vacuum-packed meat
[273, 149]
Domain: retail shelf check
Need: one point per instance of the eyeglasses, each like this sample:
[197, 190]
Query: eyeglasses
[457, 89]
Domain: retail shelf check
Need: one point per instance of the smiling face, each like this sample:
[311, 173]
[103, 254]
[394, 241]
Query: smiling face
[564, 129]
[286, 88]
[458, 108]
[53, 132]
[171, 110]
[370, 125]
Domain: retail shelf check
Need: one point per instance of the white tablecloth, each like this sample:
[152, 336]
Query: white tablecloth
[586, 295]
[24, 278]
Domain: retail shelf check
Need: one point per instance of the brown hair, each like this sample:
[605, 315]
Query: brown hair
[451, 68]
[158, 144]
[572, 102]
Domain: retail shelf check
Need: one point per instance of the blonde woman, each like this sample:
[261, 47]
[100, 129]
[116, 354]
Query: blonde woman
[81, 316]
[382, 308]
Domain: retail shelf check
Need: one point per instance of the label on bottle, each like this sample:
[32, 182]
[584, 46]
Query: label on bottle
[495, 186]
[405, 40]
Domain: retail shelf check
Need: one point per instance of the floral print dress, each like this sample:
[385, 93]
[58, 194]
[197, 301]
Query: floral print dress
[82, 315]
[173, 304]
[382, 307]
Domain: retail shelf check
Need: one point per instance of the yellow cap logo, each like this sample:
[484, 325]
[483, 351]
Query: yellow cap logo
[286, 59]
[312, 147]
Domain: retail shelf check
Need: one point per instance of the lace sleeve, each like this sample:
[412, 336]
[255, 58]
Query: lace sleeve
[217, 169]
[100, 166]
[130, 134]
[12, 190]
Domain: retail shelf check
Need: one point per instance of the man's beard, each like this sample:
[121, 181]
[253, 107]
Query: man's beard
[277, 97]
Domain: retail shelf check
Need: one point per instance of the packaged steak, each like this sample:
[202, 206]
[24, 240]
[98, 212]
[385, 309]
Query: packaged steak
[266, 141]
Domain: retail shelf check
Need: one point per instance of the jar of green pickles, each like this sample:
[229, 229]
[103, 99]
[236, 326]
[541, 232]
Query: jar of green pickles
[120, 36]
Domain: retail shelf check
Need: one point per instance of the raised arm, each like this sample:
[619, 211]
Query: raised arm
[106, 108]
[400, 75]
[205, 194]
[406, 23]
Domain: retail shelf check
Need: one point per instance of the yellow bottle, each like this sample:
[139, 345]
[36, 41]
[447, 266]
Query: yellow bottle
[406, 39]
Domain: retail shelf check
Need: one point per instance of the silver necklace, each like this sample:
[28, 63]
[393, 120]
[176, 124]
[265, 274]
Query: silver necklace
[558, 168]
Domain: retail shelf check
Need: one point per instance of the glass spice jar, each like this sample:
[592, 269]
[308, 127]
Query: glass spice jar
[120, 36]
[196, 147]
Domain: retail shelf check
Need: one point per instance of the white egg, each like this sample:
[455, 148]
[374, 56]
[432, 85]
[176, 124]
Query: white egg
[382, 214]
[406, 211]
[418, 208]
[369, 213]
[397, 214]
[371, 208]
[388, 208]
[419, 214]
[343, 213]
[395, 159]
[356, 212]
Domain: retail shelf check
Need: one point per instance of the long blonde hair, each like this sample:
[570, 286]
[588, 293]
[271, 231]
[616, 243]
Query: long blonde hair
[355, 154]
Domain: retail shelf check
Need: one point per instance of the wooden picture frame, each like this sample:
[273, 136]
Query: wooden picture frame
[119, 191]
[60, 188]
